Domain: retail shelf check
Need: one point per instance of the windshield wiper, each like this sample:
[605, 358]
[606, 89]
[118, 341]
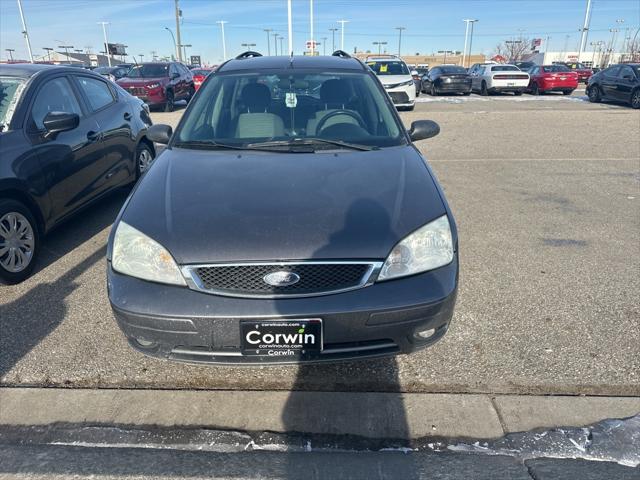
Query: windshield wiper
[211, 145]
[313, 141]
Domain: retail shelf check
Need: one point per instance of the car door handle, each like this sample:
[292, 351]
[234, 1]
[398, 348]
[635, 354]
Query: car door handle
[93, 136]
[127, 116]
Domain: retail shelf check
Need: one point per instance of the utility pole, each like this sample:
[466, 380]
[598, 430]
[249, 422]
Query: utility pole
[472, 21]
[178, 15]
[281, 38]
[466, 39]
[24, 31]
[400, 29]
[324, 45]
[10, 50]
[585, 29]
[342, 22]
[275, 43]
[48, 49]
[290, 20]
[106, 42]
[224, 45]
[333, 39]
[268, 30]
[379, 44]
[313, 47]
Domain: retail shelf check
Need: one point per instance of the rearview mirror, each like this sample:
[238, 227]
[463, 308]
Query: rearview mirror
[160, 133]
[56, 122]
[423, 129]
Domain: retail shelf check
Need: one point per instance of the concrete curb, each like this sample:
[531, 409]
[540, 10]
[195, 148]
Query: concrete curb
[371, 415]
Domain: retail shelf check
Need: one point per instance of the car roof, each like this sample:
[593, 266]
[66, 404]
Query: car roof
[297, 61]
[28, 70]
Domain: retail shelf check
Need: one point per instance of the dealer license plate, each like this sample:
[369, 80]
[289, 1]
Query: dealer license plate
[281, 338]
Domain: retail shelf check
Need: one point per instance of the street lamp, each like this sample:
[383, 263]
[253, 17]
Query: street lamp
[400, 29]
[281, 38]
[175, 45]
[445, 54]
[342, 22]
[10, 50]
[468, 21]
[106, 42]
[224, 44]
[141, 55]
[379, 44]
[49, 50]
[324, 45]
[248, 45]
[184, 47]
[66, 49]
[333, 39]
[268, 30]
[275, 43]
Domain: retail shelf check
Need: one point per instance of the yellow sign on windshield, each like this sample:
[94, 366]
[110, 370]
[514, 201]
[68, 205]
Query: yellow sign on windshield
[383, 68]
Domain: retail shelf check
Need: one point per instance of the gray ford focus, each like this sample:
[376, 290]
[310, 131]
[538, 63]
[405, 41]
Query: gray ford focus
[290, 219]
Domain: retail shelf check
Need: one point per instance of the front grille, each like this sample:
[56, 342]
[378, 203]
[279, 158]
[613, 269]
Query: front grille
[248, 279]
[399, 97]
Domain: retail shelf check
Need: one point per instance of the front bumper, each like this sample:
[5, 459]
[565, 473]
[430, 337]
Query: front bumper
[177, 323]
[404, 96]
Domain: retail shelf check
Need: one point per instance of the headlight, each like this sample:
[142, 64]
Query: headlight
[403, 84]
[139, 256]
[429, 247]
[153, 85]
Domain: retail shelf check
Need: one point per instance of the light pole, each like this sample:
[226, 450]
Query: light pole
[248, 45]
[342, 22]
[10, 50]
[445, 54]
[184, 47]
[141, 55]
[49, 50]
[471, 21]
[379, 44]
[281, 38]
[175, 45]
[24, 31]
[66, 49]
[333, 39]
[585, 29]
[106, 42]
[466, 38]
[178, 15]
[275, 43]
[324, 45]
[224, 45]
[268, 30]
[612, 46]
[400, 29]
[313, 47]
[290, 25]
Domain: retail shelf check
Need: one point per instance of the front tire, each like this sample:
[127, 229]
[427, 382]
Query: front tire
[484, 91]
[169, 105]
[19, 241]
[517, 93]
[535, 90]
[635, 98]
[433, 92]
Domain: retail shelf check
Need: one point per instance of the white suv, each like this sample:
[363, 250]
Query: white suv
[488, 78]
[396, 78]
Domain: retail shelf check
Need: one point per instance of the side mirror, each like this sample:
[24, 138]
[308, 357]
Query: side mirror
[423, 129]
[56, 122]
[160, 133]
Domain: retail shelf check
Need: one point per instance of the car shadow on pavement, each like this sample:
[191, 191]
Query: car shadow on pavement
[308, 410]
[27, 320]
[81, 228]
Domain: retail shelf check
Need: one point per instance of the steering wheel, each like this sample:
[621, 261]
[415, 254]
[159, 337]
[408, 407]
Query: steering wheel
[349, 113]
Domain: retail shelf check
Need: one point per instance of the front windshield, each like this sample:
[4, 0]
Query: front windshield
[10, 89]
[149, 70]
[389, 68]
[555, 68]
[243, 109]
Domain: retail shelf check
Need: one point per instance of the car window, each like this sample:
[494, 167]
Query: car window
[55, 95]
[98, 92]
[435, 72]
[389, 68]
[241, 108]
[613, 71]
[625, 71]
[556, 68]
[173, 70]
[451, 70]
[505, 68]
[149, 70]
[10, 91]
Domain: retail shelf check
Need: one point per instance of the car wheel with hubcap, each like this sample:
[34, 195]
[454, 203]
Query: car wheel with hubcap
[594, 94]
[635, 99]
[144, 158]
[19, 242]
[169, 105]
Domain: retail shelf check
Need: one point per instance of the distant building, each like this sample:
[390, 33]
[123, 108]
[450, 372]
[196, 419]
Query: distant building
[87, 59]
[590, 59]
[433, 59]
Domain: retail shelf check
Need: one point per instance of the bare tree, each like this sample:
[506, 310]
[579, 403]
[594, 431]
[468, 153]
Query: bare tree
[514, 48]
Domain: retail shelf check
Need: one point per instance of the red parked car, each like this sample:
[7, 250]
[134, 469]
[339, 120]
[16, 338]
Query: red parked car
[552, 78]
[199, 74]
[584, 72]
[159, 84]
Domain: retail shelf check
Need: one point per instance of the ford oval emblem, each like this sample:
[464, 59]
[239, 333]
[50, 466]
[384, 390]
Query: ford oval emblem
[281, 279]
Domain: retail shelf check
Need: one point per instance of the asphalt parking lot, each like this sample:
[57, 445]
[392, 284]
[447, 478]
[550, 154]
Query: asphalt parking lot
[546, 193]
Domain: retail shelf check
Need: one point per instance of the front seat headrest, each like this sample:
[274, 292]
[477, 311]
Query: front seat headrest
[256, 97]
[334, 91]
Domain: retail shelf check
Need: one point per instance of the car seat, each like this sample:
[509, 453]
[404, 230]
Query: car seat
[334, 95]
[257, 122]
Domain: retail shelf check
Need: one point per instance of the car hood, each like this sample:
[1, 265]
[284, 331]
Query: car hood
[218, 206]
[136, 82]
[394, 79]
